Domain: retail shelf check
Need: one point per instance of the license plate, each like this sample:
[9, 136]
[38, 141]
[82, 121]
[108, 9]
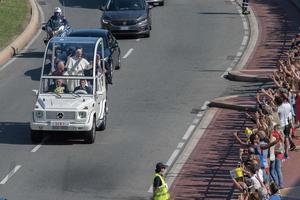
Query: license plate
[60, 124]
[124, 28]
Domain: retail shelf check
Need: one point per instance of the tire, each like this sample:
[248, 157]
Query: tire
[102, 126]
[147, 35]
[36, 136]
[119, 64]
[90, 136]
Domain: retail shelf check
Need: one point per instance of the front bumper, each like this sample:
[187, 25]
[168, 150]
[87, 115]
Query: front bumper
[72, 127]
[127, 30]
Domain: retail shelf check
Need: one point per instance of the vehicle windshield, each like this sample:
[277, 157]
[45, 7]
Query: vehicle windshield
[65, 85]
[72, 59]
[90, 34]
[120, 5]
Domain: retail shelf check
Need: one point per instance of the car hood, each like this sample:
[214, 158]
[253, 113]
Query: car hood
[65, 102]
[124, 15]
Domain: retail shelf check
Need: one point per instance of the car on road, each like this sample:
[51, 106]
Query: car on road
[127, 17]
[112, 51]
[156, 2]
[70, 101]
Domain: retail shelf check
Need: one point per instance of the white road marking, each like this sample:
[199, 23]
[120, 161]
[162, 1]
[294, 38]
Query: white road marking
[204, 107]
[245, 40]
[10, 174]
[180, 145]
[30, 43]
[173, 157]
[37, 147]
[200, 114]
[239, 54]
[128, 53]
[189, 147]
[196, 120]
[185, 137]
[226, 72]
[188, 132]
[138, 40]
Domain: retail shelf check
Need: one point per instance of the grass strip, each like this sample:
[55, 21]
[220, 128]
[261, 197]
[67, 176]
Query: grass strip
[14, 16]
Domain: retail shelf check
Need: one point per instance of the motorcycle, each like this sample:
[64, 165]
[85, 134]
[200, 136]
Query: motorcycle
[54, 29]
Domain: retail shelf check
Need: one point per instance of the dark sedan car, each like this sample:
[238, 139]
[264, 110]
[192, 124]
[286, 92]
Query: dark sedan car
[127, 17]
[112, 50]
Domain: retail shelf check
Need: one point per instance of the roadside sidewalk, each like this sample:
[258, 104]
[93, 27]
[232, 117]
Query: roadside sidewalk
[205, 175]
[278, 24]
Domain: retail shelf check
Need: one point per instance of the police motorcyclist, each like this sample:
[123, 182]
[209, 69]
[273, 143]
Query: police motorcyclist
[56, 21]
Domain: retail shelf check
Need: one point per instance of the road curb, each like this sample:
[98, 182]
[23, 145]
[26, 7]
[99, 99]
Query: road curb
[237, 75]
[18, 44]
[226, 102]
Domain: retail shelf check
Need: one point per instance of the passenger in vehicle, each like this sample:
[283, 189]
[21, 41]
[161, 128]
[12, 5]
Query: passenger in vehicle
[77, 64]
[106, 69]
[98, 65]
[83, 88]
[58, 87]
[60, 69]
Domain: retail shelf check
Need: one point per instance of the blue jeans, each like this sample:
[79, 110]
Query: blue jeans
[276, 172]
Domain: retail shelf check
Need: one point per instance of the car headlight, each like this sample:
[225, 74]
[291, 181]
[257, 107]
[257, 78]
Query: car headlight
[106, 21]
[39, 114]
[143, 22]
[82, 115]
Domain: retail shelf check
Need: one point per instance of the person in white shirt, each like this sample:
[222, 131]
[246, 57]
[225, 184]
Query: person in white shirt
[76, 66]
[286, 117]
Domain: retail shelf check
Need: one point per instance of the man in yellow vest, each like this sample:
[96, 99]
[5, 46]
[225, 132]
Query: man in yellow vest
[160, 187]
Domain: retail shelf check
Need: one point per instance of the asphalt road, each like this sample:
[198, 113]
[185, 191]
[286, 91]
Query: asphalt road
[153, 100]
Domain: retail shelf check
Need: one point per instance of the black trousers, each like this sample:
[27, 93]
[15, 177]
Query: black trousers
[245, 5]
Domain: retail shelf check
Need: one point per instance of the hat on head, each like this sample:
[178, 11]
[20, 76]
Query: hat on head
[160, 166]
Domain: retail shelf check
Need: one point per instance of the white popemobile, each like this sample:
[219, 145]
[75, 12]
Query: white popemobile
[71, 103]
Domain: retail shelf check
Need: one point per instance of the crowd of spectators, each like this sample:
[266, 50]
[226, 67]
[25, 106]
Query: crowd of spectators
[266, 145]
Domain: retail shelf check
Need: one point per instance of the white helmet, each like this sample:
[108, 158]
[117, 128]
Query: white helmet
[57, 10]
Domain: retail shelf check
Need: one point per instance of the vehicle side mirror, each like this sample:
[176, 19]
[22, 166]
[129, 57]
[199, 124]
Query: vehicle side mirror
[35, 92]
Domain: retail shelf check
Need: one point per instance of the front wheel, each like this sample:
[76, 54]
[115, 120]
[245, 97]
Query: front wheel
[90, 136]
[36, 136]
[119, 64]
[102, 126]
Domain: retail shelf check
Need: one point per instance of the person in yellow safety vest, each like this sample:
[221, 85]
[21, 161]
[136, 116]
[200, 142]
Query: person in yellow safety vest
[160, 187]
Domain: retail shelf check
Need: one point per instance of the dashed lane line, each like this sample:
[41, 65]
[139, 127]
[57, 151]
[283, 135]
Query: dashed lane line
[128, 53]
[185, 138]
[10, 174]
[37, 147]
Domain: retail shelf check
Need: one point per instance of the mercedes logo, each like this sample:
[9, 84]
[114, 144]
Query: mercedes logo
[124, 23]
[59, 115]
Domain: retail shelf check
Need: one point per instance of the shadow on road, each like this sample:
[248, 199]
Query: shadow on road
[14, 133]
[38, 54]
[19, 133]
[34, 74]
